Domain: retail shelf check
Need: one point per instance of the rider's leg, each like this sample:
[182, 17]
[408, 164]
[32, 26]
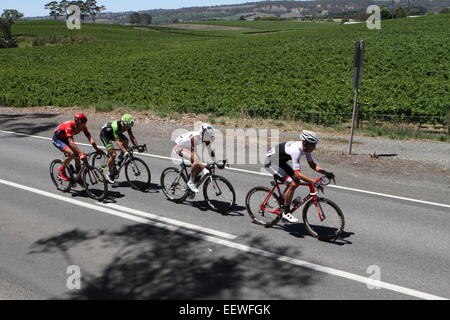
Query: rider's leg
[77, 164]
[196, 169]
[111, 159]
[289, 194]
[125, 141]
[69, 157]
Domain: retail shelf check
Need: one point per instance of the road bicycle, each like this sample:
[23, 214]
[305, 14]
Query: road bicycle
[322, 217]
[218, 192]
[137, 172]
[93, 180]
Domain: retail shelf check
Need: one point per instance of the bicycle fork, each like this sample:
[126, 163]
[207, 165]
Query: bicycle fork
[319, 209]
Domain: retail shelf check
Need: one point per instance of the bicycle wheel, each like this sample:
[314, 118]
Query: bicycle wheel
[59, 183]
[95, 184]
[138, 174]
[174, 184]
[323, 220]
[263, 210]
[219, 194]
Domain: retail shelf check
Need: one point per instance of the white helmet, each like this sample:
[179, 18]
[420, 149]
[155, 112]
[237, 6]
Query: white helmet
[208, 131]
[309, 137]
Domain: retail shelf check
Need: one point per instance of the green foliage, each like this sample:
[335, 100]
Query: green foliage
[301, 72]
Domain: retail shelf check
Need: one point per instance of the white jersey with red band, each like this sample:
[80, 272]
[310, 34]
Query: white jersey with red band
[290, 150]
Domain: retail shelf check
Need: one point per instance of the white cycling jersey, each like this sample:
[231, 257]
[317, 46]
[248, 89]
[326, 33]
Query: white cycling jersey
[185, 139]
[290, 150]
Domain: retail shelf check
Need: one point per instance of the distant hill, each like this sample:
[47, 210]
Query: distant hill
[281, 9]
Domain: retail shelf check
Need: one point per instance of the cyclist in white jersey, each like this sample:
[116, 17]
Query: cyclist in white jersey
[276, 163]
[185, 148]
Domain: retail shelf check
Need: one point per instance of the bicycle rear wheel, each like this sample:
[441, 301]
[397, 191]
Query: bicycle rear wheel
[263, 210]
[59, 183]
[138, 174]
[323, 220]
[219, 194]
[174, 184]
[95, 184]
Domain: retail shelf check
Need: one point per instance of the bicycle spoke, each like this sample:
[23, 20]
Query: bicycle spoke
[219, 194]
[323, 219]
[262, 208]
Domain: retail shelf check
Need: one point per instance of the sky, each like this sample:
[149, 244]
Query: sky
[32, 8]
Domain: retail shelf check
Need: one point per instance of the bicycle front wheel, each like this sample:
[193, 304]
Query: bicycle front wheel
[323, 219]
[138, 174]
[219, 194]
[59, 183]
[95, 184]
[263, 206]
[174, 184]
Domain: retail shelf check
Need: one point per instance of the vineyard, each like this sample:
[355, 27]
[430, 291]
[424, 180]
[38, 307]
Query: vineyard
[279, 70]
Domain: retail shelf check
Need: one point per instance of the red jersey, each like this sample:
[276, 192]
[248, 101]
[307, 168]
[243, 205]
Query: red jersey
[67, 129]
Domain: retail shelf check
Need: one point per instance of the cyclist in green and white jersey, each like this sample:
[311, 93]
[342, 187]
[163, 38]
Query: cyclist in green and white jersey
[114, 131]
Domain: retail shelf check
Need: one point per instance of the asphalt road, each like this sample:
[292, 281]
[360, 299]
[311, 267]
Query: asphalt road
[125, 255]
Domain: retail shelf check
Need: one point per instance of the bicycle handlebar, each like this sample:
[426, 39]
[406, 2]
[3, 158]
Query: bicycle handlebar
[324, 181]
[218, 164]
[140, 148]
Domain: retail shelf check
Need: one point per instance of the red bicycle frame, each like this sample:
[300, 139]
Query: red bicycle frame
[312, 194]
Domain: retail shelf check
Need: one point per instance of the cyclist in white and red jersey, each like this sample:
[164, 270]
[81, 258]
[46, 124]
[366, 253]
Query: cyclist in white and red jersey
[64, 141]
[277, 163]
[185, 148]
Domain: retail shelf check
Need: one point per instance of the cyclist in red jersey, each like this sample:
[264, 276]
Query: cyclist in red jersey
[64, 141]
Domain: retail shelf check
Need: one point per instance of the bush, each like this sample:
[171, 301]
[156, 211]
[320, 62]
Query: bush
[11, 43]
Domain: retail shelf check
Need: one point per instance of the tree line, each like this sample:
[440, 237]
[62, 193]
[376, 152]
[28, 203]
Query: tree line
[140, 18]
[88, 8]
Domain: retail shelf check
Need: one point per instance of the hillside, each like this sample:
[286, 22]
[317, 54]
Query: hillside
[282, 9]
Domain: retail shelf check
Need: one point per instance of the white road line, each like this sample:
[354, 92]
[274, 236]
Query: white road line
[170, 221]
[238, 246]
[266, 174]
[177, 224]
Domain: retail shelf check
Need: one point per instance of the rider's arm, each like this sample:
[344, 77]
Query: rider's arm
[301, 176]
[132, 138]
[192, 150]
[210, 150]
[317, 168]
[91, 139]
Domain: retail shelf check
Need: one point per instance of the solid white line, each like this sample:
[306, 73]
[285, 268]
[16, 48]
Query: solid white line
[266, 174]
[170, 221]
[391, 196]
[178, 224]
[238, 246]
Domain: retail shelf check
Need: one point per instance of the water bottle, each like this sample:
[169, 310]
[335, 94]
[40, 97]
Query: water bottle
[297, 201]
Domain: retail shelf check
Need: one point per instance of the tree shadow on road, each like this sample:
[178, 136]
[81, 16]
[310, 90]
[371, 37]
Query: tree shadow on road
[151, 263]
[26, 123]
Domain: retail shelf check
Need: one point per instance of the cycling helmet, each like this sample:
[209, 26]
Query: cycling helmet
[309, 137]
[128, 119]
[207, 131]
[80, 118]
